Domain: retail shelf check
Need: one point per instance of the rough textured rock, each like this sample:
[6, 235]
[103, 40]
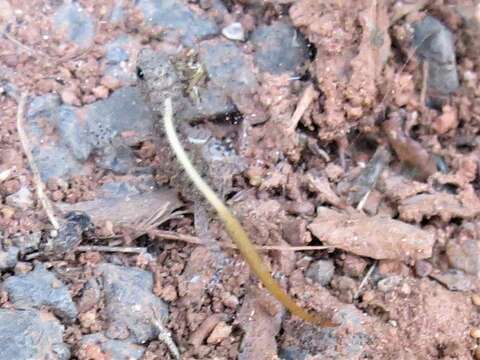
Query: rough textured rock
[377, 237]
[131, 308]
[22, 199]
[174, 15]
[260, 330]
[435, 44]
[116, 349]
[96, 128]
[30, 334]
[40, 288]
[455, 280]
[75, 24]
[160, 78]
[8, 258]
[278, 48]
[464, 256]
[321, 271]
[464, 205]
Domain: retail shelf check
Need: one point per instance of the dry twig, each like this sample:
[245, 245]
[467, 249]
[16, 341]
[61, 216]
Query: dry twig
[118, 249]
[170, 235]
[39, 185]
[364, 280]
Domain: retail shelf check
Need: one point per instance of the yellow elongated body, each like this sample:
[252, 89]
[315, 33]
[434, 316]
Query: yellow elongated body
[233, 226]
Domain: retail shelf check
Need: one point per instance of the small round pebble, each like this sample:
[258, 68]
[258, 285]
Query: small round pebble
[234, 31]
[110, 82]
[423, 268]
[475, 333]
[476, 299]
[100, 92]
[69, 97]
[219, 333]
[368, 296]
[477, 353]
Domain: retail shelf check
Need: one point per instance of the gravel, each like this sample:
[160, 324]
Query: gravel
[321, 271]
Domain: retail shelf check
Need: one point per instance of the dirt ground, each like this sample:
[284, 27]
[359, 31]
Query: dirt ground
[354, 171]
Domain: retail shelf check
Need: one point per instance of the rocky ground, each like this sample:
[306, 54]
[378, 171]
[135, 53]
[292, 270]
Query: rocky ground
[344, 135]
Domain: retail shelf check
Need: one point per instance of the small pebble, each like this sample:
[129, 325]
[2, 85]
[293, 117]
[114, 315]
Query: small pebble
[476, 299]
[423, 268]
[229, 300]
[100, 92]
[219, 333]
[475, 333]
[368, 296]
[477, 353]
[234, 31]
[110, 82]
[69, 97]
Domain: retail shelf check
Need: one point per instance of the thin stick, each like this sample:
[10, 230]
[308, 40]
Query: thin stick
[302, 106]
[118, 249]
[166, 337]
[364, 280]
[5, 174]
[169, 235]
[39, 185]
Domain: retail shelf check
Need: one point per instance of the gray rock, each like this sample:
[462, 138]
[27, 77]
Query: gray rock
[118, 349]
[56, 160]
[120, 57]
[96, 128]
[118, 189]
[9, 258]
[321, 271]
[174, 15]
[279, 47]
[123, 111]
[40, 288]
[455, 280]
[227, 66]
[292, 353]
[132, 310]
[435, 44]
[232, 71]
[161, 79]
[75, 23]
[30, 334]
[22, 199]
[27, 242]
[464, 256]
[389, 283]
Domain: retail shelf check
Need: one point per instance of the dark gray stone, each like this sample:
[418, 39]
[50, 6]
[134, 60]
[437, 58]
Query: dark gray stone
[96, 128]
[40, 288]
[227, 66]
[160, 79]
[124, 110]
[321, 271]
[435, 44]
[279, 47]
[175, 15]
[9, 258]
[118, 349]
[131, 308]
[72, 20]
[30, 334]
